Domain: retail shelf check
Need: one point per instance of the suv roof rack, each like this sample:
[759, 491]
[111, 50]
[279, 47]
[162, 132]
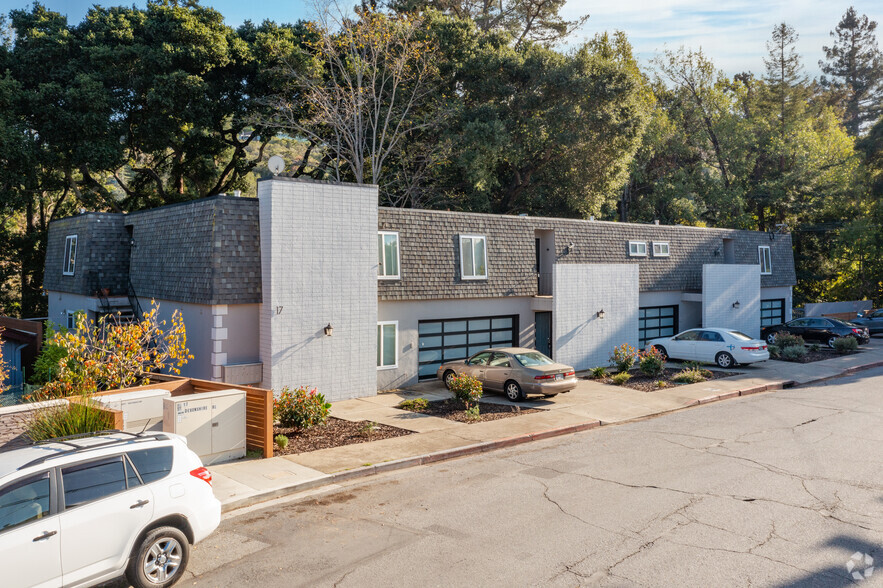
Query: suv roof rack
[136, 437]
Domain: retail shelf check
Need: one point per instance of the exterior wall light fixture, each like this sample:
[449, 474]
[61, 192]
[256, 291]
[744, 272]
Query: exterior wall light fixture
[736, 304]
[600, 314]
[329, 330]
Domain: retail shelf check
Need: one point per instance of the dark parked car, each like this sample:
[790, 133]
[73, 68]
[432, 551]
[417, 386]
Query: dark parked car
[873, 320]
[818, 330]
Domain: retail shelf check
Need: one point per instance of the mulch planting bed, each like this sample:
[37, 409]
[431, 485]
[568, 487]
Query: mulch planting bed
[639, 381]
[334, 433]
[453, 410]
[811, 356]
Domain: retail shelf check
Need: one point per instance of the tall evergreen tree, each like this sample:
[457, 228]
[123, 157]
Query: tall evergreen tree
[855, 64]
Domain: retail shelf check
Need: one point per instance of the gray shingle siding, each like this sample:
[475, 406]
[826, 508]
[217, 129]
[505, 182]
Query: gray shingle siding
[429, 249]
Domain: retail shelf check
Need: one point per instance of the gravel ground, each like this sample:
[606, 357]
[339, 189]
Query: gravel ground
[453, 410]
[639, 381]
[334, 433]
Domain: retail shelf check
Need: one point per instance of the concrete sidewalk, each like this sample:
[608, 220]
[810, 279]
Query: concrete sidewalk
[590, 404]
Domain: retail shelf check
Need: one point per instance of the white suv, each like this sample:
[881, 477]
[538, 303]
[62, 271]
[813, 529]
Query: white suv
[82, 510]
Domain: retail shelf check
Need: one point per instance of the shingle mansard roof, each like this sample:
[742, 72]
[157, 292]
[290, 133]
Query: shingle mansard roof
[208, 252]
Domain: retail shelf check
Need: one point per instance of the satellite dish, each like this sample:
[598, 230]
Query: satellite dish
[276, 165]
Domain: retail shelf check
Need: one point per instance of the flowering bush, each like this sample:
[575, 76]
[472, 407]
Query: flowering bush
[466, 389]
[300, 408]
[783, 340]
[623, 357]
[651, 362]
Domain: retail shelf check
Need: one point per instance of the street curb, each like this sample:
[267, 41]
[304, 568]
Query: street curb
[457, 452]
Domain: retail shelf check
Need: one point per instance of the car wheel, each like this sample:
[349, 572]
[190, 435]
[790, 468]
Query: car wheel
[160, 559]
[662, 351]
[514, 391]
[831, 341]
[448, 378]
[771, 338]
[724, 360]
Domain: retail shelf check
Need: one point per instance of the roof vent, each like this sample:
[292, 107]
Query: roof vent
[656, 222]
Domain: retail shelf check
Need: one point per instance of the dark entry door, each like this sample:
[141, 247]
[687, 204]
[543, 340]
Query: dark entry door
[544, 332]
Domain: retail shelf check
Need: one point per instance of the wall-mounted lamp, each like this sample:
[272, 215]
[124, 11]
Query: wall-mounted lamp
[736, 304]
[717, 251]
[600, 314]
[571, 248]
[329, 330]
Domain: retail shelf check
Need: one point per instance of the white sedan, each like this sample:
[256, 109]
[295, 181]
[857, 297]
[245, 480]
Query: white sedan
[725, 347]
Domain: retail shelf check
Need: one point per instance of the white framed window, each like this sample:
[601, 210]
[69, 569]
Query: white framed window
[387, 344]
[71, 319]
[765, 259]
[637, 248]
[70, 255]
[388, 252]
[660, 249]
[473, 257]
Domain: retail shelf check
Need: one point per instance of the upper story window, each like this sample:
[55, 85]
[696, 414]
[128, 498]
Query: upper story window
[660, 249]
[765, 259]
[70, 255]
[473, 257]
[637, 248]
[388, 250]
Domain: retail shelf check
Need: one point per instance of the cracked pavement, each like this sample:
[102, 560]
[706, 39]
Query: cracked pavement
[768, 490]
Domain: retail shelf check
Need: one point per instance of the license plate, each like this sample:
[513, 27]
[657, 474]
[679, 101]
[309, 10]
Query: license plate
[559, 376]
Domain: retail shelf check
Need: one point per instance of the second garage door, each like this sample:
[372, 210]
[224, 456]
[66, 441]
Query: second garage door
[446, 340]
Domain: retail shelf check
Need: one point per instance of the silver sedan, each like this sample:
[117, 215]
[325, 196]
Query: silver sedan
[515, 371]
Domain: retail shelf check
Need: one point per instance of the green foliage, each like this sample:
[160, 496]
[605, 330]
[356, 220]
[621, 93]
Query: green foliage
[466, 389]
[689, 376]
[815, 347]
[416, 404]
[794, 352]
[623, 357]
[784, 340]
[281, 440]
[70, 418]
[775, 351]
[651, 362]
[301, 407]
[599, 372]
[51, 355]
[472, 413]
[845, 344]
[368, 428]
[621, 378]
[661, 384]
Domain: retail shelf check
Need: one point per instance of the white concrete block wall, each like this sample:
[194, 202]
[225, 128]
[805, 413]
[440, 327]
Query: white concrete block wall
[580, 338]
[722, 286]
[319, 266]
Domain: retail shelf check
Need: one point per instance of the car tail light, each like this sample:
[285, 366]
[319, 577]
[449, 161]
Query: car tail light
[753, 348]
[858, 331]
[203, 474]
[568, 374]
[545, 377]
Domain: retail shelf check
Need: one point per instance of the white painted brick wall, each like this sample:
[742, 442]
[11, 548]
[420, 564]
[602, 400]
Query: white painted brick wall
[580, 338]
[724, 284]
[319, 266]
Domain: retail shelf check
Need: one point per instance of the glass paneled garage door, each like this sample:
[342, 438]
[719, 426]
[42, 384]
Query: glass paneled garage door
[446, 340]
[657, 321]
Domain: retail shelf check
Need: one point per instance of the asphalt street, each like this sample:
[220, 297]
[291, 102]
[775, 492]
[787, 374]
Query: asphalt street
[778, 489]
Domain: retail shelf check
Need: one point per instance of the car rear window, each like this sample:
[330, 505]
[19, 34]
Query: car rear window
[532, 359]
[152, 464]
[93, 481]
[739, 335]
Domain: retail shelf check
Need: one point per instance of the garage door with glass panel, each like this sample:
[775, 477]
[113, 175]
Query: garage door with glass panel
[657, 321]
[772, 312]
[446, 340]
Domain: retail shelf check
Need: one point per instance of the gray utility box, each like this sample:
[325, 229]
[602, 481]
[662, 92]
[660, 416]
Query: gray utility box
[142, 409]
[212, 422]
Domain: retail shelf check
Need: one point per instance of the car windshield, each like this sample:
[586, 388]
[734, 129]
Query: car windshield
[532, 358]
[739, 335]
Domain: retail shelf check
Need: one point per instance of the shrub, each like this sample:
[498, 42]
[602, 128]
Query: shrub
[662, 384]
[845, 344]
[692, 365]
[783, 340]
[599, 373]
[281, 441]
[623, 357]
[690, 376]
[472, 413]
[794, 353]
[414, 404]
[815, 347]
[775, 350]
[73, 418]
[466, 389]
[621, 378]
[368, 427]
[300, 408]
[651, 362]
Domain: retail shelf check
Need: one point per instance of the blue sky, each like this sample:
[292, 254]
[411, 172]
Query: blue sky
[732, 32]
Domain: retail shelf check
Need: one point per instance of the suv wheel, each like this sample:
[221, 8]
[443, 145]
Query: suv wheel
[160, 559]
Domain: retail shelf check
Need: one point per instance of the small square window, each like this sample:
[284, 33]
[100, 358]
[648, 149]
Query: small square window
[765, 259]
[473, 257]
[660, 249]
[70, 255]
[387, 344]
[637, 248]
[388, 252]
